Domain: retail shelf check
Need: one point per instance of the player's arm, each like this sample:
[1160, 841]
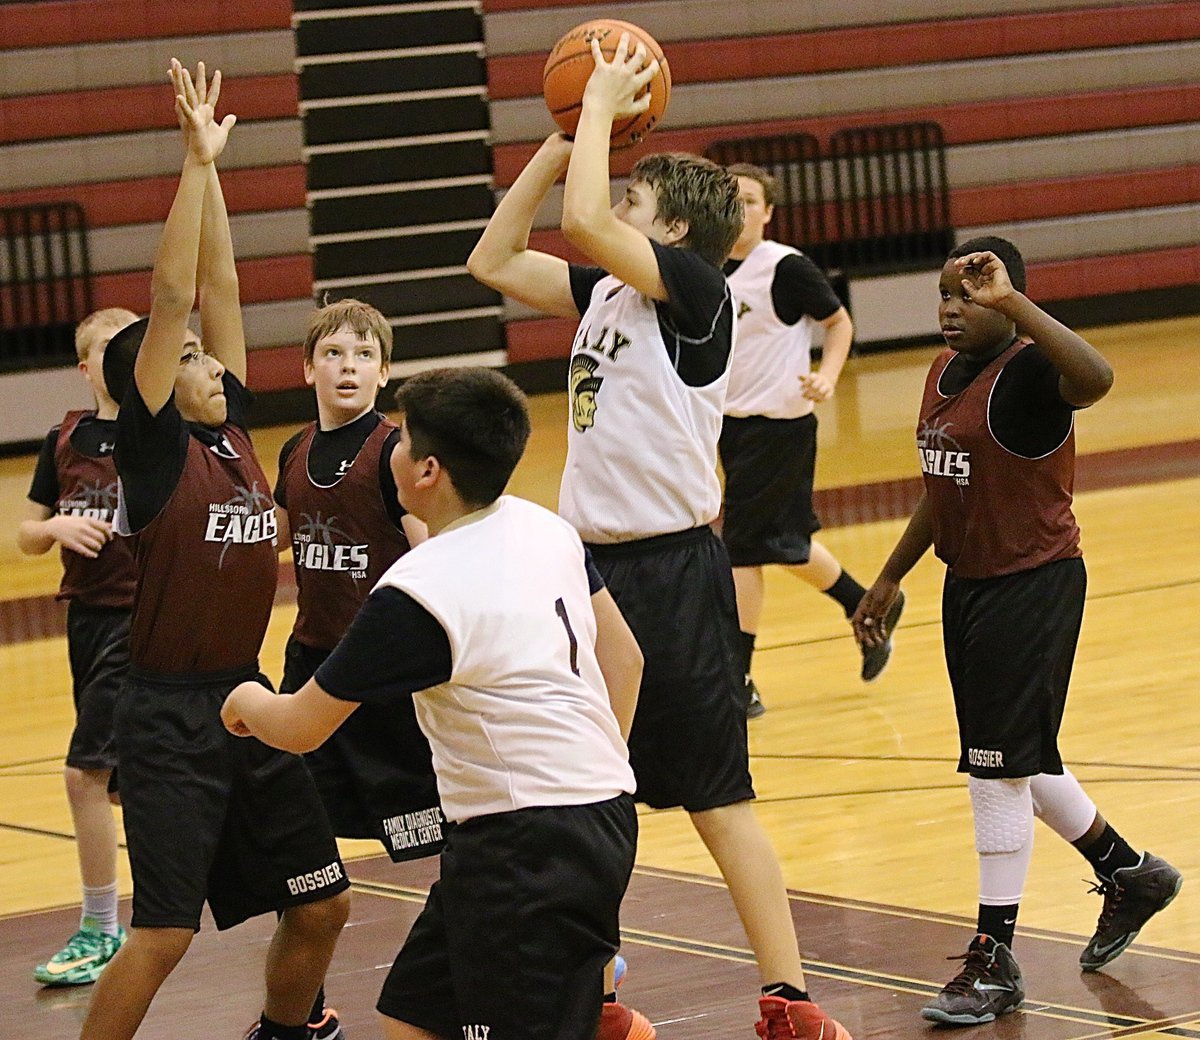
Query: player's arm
[913, 544]
[297, 723]
[502, 257]
[619, 657]
[221, 327]
[839, 335]
[173, 283]
[1084, 376]
[588, 221]
[414, 530]
[41, 529]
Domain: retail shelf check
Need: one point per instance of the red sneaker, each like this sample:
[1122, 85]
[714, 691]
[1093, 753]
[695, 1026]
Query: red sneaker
[617, 1022]
[796, 1020]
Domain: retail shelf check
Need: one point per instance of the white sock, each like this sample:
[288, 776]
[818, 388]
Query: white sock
[99, 912]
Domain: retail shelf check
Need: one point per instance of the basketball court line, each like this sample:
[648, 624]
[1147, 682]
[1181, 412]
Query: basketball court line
[1128, 1024]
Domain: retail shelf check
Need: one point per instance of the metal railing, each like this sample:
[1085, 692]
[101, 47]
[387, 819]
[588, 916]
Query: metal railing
[45, 283]
[876, 201]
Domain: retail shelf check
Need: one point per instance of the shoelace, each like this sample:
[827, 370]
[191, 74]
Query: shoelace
[1112, 893]
[976, 965]
[84, 944]
[775, 1025]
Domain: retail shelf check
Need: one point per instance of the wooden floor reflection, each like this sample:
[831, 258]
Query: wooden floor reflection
[856, 783]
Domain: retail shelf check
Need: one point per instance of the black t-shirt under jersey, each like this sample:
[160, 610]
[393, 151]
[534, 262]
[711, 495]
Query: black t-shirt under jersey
[418, 654]
[332, 453]
[696, 320]
[1027, 414]
[799, 289]
[92, 437]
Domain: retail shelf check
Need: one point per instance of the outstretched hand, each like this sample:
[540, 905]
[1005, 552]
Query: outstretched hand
[195, 107]
[617, 87]
[985, 278]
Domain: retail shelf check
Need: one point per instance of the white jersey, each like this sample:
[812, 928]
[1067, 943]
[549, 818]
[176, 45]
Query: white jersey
[525, 718]
[771, 355]
[641, 444]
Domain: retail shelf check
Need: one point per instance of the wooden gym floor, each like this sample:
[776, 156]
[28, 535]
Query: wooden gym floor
[856, 783]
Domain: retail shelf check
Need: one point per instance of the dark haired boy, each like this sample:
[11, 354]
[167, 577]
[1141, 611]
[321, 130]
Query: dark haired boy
[338, 501]
[207, 818]
[72, 501]
[769, 436]
[652, 355]
[996, 441]
[524, 677]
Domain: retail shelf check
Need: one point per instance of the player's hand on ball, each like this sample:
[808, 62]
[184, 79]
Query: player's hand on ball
[615, 85]
[868, 620]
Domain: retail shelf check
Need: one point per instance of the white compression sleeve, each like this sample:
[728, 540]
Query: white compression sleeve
[1003, 812]
[1061, 804]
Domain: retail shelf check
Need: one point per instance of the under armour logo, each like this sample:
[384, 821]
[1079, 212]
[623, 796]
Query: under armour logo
[344, 467]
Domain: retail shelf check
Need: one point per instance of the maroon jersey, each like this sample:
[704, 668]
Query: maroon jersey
[994, 512]
[207, 564]
[342, 538]
[88, 487]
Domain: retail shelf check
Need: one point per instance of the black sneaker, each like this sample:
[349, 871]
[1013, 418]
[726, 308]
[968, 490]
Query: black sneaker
[1131, 898]
[875, 658]
[988, 985]
[754, 705]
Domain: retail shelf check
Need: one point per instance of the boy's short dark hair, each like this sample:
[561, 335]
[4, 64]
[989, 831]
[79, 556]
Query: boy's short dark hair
[770, 186]
[363, 319]
[700, 192]
[120, 356]
[474, 421]
[1008, 253]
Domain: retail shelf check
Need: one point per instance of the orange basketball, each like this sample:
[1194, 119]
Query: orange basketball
[570, 65]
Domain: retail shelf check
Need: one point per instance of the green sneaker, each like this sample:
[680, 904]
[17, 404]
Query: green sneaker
[81, 960]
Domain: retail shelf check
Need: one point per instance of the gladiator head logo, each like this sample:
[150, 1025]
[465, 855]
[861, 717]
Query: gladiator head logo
[584, 385]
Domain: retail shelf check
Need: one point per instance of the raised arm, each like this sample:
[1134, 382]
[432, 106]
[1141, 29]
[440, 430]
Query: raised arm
[502, 257]
[220, 302]
[588, 220]
[1083, 374]
[173, 284]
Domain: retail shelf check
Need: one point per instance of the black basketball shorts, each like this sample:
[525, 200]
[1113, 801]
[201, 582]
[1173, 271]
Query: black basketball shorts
[210, 816]
[515, 934]
[688, 743]
[769, 466]
[1010, 645]
[375, 772]
[98, 649]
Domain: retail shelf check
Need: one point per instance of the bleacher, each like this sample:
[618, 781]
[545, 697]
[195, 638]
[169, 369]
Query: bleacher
[1071, 126]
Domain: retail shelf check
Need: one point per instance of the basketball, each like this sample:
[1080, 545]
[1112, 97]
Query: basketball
[570, 65]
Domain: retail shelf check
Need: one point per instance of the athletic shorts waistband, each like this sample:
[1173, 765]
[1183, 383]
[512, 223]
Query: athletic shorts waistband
[655, 543]
[226, 677]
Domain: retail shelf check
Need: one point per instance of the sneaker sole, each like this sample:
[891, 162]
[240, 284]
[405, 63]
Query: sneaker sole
[63, 981]
[890, 621]
[945, 1018]
[1113, 954]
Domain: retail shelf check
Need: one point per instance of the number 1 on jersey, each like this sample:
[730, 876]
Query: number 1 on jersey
[560, 608]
